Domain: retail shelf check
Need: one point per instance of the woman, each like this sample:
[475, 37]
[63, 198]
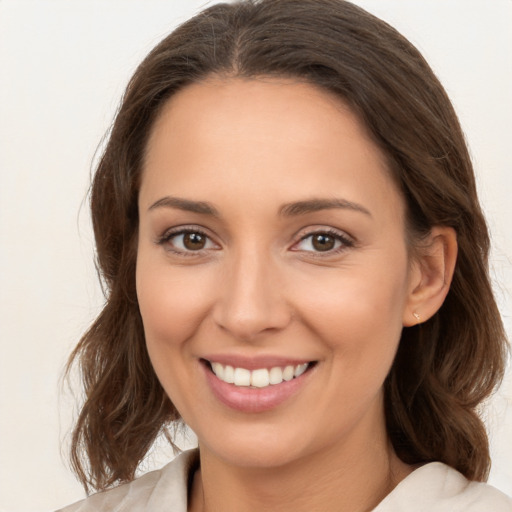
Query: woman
[287, 225]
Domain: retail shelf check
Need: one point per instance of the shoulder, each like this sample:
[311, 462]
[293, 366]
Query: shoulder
[166, 487]
[439, 487]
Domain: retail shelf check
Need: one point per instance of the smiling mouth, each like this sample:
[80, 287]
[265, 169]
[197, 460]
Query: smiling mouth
[258, 378]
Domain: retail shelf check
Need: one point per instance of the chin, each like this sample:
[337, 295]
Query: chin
[258, 447]
[256, 457]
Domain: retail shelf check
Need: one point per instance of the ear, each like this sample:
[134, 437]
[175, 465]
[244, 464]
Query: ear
[431, 275]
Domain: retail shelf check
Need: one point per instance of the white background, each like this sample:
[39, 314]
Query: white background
[63, 66]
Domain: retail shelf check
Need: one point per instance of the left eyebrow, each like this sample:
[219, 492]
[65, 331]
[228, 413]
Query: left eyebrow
[315, 205]
[179, 203]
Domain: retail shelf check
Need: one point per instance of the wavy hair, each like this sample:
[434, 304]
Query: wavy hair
[443, 369]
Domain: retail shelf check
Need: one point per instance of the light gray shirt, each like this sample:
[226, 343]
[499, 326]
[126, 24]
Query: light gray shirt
[434, 487]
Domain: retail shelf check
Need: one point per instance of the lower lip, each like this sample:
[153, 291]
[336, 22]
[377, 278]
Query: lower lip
[253, 400]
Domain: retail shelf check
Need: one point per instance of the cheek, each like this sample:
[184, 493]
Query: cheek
[358, 319]
[172, 302]
[358, 312]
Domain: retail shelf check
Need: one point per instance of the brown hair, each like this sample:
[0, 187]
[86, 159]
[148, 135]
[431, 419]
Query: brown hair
[444, 368]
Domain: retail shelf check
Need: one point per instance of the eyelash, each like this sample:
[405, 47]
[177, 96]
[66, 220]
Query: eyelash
[181, 231]
[165, 238]
[345, 241]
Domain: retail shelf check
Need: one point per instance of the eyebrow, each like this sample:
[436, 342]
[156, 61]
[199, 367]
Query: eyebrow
[187, 205]
[315, 205]
[287, 210]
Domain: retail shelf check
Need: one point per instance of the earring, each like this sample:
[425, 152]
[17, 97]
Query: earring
[417, 316]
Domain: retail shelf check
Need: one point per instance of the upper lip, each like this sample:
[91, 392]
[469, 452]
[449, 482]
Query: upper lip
[255, 362]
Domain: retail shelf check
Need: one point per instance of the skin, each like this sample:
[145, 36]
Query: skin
[259, 286]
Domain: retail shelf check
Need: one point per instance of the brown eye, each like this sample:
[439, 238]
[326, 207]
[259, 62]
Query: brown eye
[187, 242]
[323, 242]
[194, 241]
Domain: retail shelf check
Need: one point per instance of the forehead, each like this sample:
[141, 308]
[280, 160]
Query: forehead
[230, 107]
[268, 136]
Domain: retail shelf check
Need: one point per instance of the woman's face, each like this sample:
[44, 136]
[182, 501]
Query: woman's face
[271, 242]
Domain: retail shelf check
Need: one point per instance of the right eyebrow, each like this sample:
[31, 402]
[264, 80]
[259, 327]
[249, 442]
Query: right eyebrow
[187, 205]
[318, 204]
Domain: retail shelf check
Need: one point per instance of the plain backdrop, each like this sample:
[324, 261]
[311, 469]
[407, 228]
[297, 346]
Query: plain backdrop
[63, 67]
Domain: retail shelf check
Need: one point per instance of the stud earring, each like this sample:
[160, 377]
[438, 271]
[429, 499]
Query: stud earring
[417, 316]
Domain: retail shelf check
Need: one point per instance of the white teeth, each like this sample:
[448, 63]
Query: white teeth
[275, 375]
[242, 377]
[288, 372]
[229, 375]
[260, 378]
[218, 369]
[300, 369]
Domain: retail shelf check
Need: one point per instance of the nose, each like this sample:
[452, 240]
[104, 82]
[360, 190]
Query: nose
[251, 299]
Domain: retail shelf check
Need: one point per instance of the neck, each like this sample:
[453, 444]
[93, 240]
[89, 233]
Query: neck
[342, 478]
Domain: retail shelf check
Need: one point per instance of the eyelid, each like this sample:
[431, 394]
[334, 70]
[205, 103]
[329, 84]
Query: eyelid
[345, 239]
[176, 231]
